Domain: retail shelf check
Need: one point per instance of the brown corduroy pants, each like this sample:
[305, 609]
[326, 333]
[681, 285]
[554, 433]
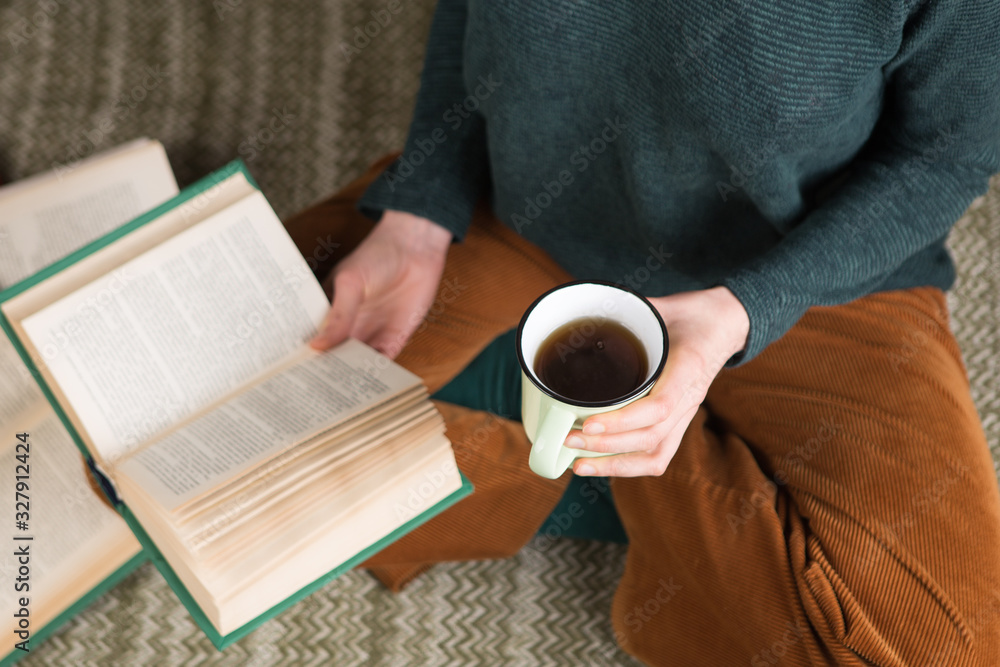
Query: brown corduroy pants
[833, 501]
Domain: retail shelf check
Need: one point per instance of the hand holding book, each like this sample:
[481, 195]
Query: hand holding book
[174, 350]
[383, 289]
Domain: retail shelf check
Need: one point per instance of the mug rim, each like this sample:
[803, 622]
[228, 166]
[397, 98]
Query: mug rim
[642, 388]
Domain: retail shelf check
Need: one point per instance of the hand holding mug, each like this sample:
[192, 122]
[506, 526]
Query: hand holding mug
[707, 327]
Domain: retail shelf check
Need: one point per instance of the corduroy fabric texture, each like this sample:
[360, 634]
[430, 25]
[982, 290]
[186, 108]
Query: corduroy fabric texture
[833, 501]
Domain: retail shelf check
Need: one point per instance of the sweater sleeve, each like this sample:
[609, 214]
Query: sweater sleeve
[933, 151]
[443, 170]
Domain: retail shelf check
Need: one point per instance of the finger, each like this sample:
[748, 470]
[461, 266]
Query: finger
[389, 341]
[386, 333]
[367, 324]
[639, 440]
[682, 385]
[347, 294]
[328, 286]
[637, 464]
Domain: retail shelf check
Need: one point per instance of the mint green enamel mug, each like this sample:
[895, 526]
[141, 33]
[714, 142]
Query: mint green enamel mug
[548, 417]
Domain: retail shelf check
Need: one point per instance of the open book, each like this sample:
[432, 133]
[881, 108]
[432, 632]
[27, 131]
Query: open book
[75, 546]
[250, 466]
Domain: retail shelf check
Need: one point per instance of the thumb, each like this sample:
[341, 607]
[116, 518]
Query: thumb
[347, 294]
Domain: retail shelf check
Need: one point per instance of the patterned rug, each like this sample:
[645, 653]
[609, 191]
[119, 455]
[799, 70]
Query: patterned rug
[205, 77]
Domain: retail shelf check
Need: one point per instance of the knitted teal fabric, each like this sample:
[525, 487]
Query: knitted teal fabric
[799, 153]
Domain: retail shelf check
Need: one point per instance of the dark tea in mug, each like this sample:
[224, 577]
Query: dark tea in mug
[591, 360]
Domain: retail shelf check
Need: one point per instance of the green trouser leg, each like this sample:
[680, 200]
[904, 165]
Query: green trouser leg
[492, 382]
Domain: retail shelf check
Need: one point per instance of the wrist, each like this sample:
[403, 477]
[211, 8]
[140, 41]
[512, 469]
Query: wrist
[418, 235]
[734, 317]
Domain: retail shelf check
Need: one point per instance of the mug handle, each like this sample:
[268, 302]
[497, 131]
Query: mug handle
[548, 457]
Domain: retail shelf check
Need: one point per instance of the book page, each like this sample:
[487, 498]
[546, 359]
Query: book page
[176, 328]
[78, 540]
[66, 511]
[44, 221]
[270, 505]
[18, 389]
[60, 170]
[314, 547]
[290, 407]
[47, 216]
[325, 526]
[355, 433]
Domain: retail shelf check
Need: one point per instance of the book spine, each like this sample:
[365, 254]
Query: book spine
[104, 482]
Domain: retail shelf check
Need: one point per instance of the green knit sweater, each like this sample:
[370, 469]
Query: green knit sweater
[799, 153]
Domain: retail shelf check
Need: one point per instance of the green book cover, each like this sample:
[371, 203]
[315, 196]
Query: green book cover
[189, 194]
